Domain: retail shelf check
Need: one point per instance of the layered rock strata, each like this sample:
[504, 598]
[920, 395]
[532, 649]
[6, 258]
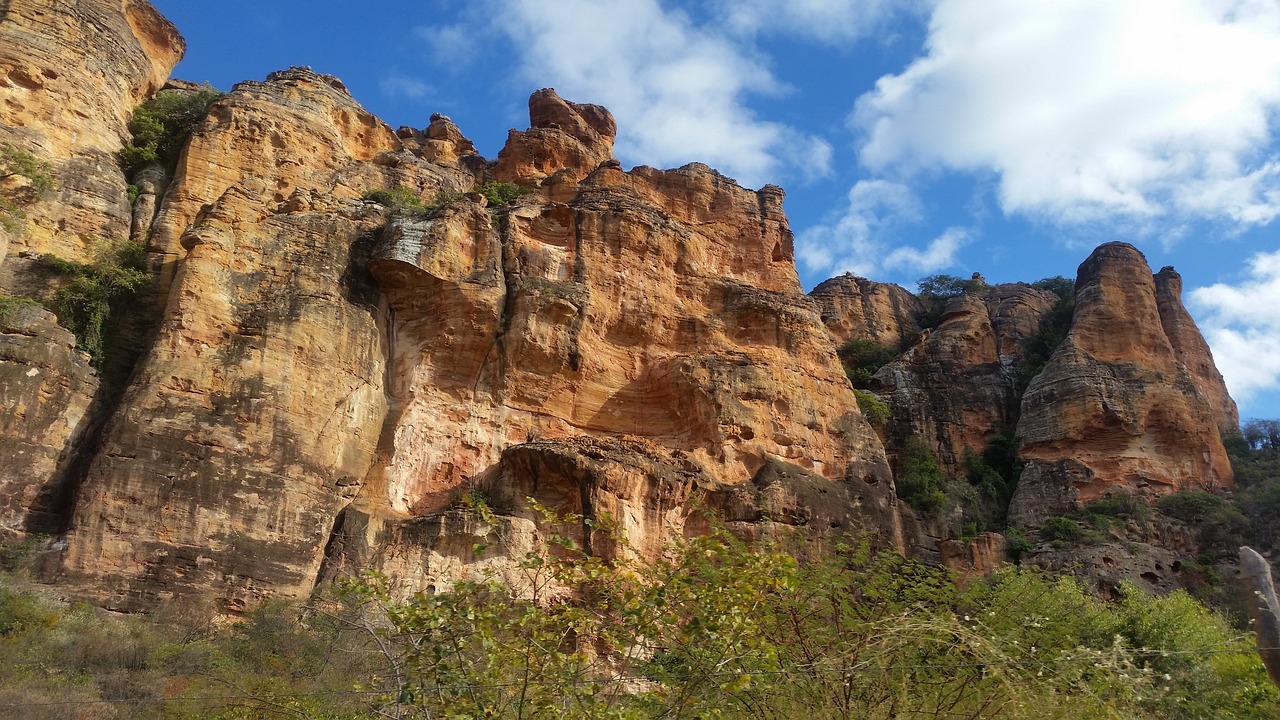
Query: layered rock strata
[70, 76]
[1121, 407]
[855, 308]
[958, 386]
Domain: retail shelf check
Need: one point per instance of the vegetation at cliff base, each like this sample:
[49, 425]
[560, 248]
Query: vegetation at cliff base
[162, 125]
[714, 627]
[92, 293]
[23, 179]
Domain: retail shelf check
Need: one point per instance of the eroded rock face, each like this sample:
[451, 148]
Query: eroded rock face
[46, 390]
[257, 413]
[958, 385]
[1117, 409]
[660, 306]
[70, 76]
[855, 308]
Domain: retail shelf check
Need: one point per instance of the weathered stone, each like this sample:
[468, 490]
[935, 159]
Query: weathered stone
[46, 390]
[1260, 597]
[70, 76]
[854, 308]
[958, 386]
[1116, 403]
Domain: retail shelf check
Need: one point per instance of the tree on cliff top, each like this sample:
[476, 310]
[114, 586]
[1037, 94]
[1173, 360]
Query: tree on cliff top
[162, 125]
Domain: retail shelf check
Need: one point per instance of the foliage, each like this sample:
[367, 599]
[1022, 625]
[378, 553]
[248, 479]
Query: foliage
[1016, 543]
[1061, 530]
[712, 628]
[93, 293]
[1037, 349]
[862, 358]
[501, 193]
[401, 201]
[15, 162]
[1220, 527]
[162, 125]
[920, 483]
[935, 290]
[9, 306]
[873, 409]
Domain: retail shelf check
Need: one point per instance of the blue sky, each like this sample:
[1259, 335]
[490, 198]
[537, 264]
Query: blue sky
[913, 137]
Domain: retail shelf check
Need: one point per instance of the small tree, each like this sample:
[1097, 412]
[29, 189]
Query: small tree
[162, 125]
[14, 194]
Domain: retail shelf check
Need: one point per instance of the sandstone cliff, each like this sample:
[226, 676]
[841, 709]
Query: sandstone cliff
[1121, 407]
[334, 384]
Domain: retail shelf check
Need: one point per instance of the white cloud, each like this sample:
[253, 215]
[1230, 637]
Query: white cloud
[1142, 110]
[939, 254]
[827, 20]
[451, 47]
[679, 91]
[858, 240]
[396, 84]
[1242, 327]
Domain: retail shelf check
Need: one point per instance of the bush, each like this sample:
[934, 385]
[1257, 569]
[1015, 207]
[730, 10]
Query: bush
[1054, 326]
[162, 125]
[501, 193]
[1220, 527]
[935, 290]
[1061, 530]
[20, 163]
[862, 358]
[86, 303]
[9, 306]
[920, 482]
[873, 409]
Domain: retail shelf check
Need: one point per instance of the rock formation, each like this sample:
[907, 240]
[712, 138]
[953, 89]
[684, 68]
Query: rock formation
[333, 384]
[855, 308]
[958, 386]
[1118, 409]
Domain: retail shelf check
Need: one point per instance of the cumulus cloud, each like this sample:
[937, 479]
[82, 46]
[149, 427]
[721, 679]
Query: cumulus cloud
[1143, 110]
[678, 90]
[1243, 328]
[451, 47]
[827, 20]
[857, 240]
[396, 84]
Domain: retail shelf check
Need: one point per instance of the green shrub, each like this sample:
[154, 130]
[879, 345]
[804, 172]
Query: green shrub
[920, 483]
[862, 358]
[86, 302]
[20, 163]
[1016, 544]
[9, 306]
[401, 201]
[1061, 530]
[935, 290]
[1220, 526]
[873, 409]
[1054, 326]
[501, 193]
[162, 125]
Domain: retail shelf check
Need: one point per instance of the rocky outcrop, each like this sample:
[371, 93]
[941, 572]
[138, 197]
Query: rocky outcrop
[855, 308]
[1117, 410]
[70, 76]
[958, 386]
[46, 389]
[1260, 597]
[1193, 352]
[257, 413]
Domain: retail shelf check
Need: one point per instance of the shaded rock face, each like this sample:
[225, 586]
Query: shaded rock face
[46, 389]
[257, 413]
[855, 308]
[70, 76]
[958, 385]
[1117, 409]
